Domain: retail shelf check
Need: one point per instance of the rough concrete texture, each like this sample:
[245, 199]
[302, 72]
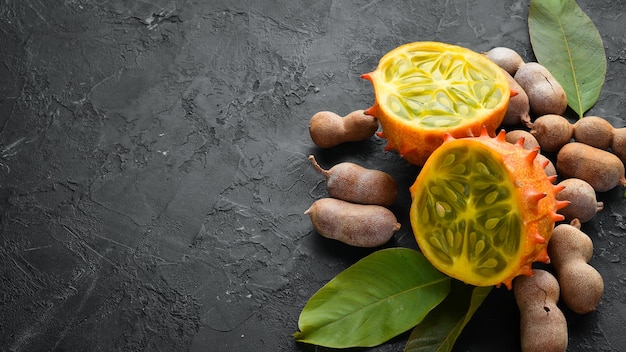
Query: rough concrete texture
[154, 172]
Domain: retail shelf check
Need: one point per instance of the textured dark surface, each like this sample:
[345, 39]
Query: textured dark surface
[154, 172]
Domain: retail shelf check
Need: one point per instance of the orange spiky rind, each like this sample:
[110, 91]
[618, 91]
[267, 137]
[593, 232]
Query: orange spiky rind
[532, 155]
[501, 136]
[535, 196]
[529, 215]
[560, 204]
[484, 131]
[538, 238]
[556, 217]
[543, 256]
[448, 137]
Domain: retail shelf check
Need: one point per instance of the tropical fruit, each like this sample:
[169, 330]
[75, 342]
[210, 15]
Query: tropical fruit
[425, 90]
[483, 209]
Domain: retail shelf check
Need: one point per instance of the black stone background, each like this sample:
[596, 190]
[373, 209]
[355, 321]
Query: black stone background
[154, 172]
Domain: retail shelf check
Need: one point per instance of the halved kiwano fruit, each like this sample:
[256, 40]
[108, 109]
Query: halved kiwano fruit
[483, 209]
[425, 90]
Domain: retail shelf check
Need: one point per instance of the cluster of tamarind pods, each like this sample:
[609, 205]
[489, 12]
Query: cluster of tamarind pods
[356, 212]
[590, 158]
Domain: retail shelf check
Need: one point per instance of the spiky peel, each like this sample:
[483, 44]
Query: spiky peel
[483, 209]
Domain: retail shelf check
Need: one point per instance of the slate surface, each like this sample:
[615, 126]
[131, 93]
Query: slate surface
[154, 172]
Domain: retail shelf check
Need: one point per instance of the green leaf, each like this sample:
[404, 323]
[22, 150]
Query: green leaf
[379, 297]
[568, 44]
[439, 331]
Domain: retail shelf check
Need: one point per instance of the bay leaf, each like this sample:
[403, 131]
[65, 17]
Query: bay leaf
[379, 297]
[440, 329]
[566, 42]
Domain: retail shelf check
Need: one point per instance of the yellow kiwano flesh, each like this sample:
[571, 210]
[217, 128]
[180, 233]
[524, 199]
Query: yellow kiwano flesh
[483, 209]
[425, 90]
